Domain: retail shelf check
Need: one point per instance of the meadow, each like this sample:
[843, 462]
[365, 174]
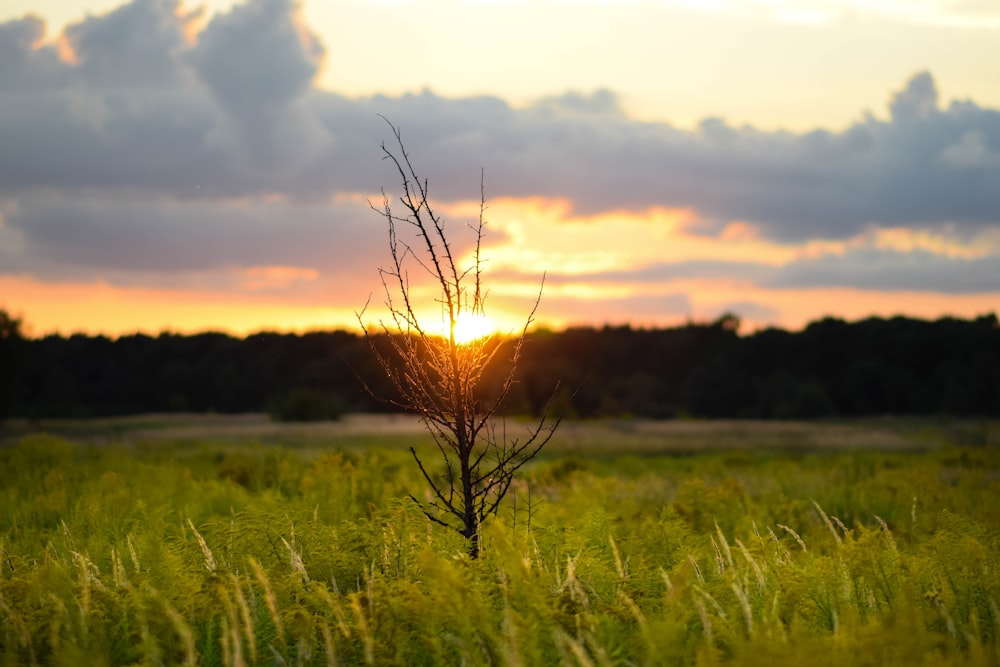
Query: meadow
[234, 541]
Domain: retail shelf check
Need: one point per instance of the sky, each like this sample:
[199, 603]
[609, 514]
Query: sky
[182, 167]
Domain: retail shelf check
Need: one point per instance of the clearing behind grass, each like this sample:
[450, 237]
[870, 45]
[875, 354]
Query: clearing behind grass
[234, 541]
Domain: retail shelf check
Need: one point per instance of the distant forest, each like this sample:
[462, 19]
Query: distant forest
[832, 368]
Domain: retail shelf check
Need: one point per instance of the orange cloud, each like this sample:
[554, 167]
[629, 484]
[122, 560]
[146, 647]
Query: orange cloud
[280, 277]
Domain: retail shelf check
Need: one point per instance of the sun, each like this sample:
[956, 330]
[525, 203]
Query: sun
[471, 327]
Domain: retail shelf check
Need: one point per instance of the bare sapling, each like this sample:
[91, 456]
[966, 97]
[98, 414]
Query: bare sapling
[436, 372]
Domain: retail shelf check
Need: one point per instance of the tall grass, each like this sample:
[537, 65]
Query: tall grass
[249, 554]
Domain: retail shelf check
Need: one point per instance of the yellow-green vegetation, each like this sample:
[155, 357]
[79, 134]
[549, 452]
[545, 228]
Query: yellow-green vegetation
[242, 551]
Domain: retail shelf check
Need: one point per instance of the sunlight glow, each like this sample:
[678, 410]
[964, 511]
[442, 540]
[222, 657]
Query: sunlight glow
[471, 327]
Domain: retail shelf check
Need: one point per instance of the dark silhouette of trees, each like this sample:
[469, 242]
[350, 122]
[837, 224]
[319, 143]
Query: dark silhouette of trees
[11, 350]
[440, 376]
[898, 366]
[83, 376]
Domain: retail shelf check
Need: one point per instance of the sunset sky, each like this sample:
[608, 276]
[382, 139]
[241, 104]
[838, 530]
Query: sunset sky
[170, 166]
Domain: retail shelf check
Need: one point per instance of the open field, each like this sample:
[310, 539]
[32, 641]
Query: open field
[233, 540]
[615, 434]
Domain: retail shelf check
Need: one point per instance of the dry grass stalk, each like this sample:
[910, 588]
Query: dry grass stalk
[210, 563]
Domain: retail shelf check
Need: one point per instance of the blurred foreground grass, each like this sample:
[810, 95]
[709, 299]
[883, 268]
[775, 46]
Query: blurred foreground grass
[214, 540]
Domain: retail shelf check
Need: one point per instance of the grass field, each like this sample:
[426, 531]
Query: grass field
[231, 540]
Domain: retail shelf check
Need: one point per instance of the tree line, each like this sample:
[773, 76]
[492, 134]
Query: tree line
[899, 366]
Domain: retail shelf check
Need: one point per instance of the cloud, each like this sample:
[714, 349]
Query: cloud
[133, 47]
[888, 270]
[25, 63]
[791, 187]
[258, 57]
[918, 101]
[866, 268]
[258, 60]
[85, 236]
[142, 107]
[138, 239]
[665, 272]
[639, 309]
[158, 146]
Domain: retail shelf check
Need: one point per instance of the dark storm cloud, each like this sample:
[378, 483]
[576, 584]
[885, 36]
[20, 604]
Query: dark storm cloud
[190, 123]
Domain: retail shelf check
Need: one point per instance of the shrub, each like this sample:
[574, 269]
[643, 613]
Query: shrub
[304, 405]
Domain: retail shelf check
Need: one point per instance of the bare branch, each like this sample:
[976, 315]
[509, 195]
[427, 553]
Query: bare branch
[437, 377]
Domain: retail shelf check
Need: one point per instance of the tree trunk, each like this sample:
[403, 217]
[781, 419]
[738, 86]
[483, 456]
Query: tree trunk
[471, 521]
